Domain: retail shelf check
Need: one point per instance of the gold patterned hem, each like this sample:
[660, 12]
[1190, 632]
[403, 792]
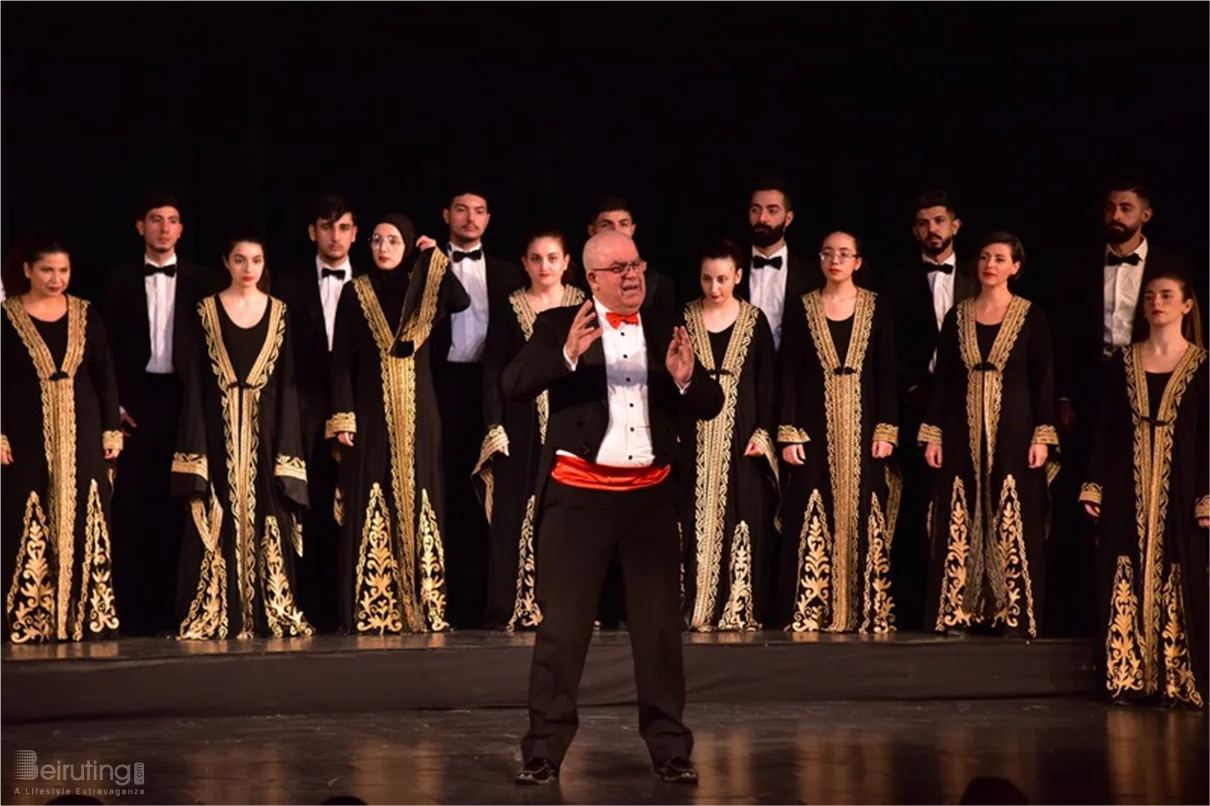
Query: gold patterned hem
[343, 422]
[290, 467]
[791, 435]
[432, 567]
[885, 432]
[1123, 658]
[1045, 435]
[193, 464]
[879, 607]
[1201, 509]
[764, 443]
[952, 612]
[812, 602]
[929, 434]
[495, 442]
[207, 617]
[96, 578]
[284, 617]
[377, 593]
[1018, 584]
[1090, 493]
[1179, 682]
[30, 604]
[739, 612]
[526, 612]
[112, 440]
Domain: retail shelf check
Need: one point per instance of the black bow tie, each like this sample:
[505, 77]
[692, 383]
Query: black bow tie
[339, 274]
[759, 262]
[1113, 259]
[150, 269]
[944, 268]
[459, 256]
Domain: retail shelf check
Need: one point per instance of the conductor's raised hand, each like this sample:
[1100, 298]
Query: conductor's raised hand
[679, 360]
[584, 331]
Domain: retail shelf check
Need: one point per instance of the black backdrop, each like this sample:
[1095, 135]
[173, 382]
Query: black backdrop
[244, 110]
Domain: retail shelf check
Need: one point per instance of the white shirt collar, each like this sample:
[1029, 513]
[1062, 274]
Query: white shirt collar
[450, 248]
[344, 266]
[1141, 250]
[783, 253]
[952, 260]
[168, 261]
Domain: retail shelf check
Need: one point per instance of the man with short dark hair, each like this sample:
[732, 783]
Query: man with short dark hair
[458, 380]
[148, 309]
[312, 296]
[776, 277]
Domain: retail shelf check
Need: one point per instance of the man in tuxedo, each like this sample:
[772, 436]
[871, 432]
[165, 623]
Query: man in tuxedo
[1096, 314]
[619, 380]
[776, 277]
[458, 379]
[149, 308]
[921, 294]
[312, 295]
[614, 213]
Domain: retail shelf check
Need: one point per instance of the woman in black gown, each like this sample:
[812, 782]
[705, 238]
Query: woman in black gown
[1151, 521]
[389, 502]
[58, 437]
[993, 405]
[239, 461]
[839, 427]
[728, 464]
[507, 470]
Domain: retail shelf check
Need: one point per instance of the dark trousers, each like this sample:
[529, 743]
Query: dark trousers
[459, 390]
[148, 523]
[911, 551]
[578, 532]
[318, 589]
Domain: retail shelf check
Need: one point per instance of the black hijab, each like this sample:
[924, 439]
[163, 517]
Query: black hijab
[392, 286]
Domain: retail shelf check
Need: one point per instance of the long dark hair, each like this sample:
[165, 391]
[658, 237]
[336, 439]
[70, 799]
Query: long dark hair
[1191, 323]
[29, 250]
[264, 283]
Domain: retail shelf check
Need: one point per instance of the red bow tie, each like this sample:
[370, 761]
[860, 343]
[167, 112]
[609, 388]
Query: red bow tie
[617, 319]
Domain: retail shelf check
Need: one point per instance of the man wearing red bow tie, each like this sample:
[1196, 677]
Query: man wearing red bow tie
[618, 382]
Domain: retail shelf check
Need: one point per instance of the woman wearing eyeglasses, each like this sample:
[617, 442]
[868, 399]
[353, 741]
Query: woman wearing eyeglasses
[506, 473]
[990, 432]
[839, 428]
[388, 432]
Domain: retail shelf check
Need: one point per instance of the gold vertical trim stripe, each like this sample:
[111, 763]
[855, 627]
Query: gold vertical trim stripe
[1090, 493]
[526, 611]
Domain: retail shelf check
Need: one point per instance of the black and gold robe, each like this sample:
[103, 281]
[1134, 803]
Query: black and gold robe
[839, 510]
[1151, 553]
[60, 414]
[507, 484]
[239, 466]
[390, 501]
[989, 519]
[728, 499]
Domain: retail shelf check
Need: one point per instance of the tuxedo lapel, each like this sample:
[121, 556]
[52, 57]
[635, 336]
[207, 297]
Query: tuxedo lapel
[313, 302]
[138, 298]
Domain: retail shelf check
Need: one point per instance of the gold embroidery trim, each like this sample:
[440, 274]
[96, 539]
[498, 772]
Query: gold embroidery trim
[495, 442]
[812, 608]
[952, 612]
[526, 612]
[376, 596]
[878, 612]
[738, 613]
[30, 604]
[884, 432]
[343, 422]
[282, 614]
[194, 464]
[789, 435]
[764, 442]
[525, 319]
[207, 617]
[432, 567]
[714, 449]
[1018, 584]
[929, 434]
[112, 440]
[1090, 493]
[1201, 509]
[1179, 682]
[843, 407]
[290, 467]
[57, 385]
[1045, 435]
[1123, 663]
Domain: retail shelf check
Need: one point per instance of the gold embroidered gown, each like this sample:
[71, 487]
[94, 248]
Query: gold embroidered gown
[838, 395]
[390, 501]
[989, 519]
[1148, 472]
[239, 466]
[60, 413]
[728, 502]
[507, 484]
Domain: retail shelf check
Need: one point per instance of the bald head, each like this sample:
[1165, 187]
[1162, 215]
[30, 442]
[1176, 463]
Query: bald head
[623, 291]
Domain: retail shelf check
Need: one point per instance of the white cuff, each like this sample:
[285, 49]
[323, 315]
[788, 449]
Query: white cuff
[567, 362]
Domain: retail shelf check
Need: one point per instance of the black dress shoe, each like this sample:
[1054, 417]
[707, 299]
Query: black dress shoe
[676, 770]
[538, 771]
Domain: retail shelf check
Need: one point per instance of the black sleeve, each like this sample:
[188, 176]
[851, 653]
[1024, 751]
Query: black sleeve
[289, 467]
[539, 363]
[795, 338]
[949, 364]
[495, 359]
[1042, 379]
[766, 377]
[190, 466]
[342, 417]
[882, 343]
[1106, 424]
[105, 381]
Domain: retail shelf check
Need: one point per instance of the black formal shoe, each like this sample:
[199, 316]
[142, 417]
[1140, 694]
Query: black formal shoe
[676, 770]
[538, 771]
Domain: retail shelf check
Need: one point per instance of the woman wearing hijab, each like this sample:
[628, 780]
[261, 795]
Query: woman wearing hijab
[388, 430]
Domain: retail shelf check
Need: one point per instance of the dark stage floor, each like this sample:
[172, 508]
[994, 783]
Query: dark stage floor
[1056, 751]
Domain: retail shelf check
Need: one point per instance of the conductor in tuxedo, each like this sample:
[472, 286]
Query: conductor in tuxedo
[147, 307]
[921, 293]
[618, 381]
[312, 296]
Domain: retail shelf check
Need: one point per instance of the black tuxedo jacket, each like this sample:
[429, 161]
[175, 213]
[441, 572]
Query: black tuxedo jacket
[1080, 317]
[128, 324]
[579, 411]
[803, 276]
[661, 295]
[503, 278]
[916, 331]
[312, 361]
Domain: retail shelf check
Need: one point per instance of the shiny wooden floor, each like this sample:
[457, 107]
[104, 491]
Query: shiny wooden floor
[1055, 751]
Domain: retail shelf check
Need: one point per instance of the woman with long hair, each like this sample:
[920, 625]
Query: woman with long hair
[1151, 521]
[239, 461]
[59, 436]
